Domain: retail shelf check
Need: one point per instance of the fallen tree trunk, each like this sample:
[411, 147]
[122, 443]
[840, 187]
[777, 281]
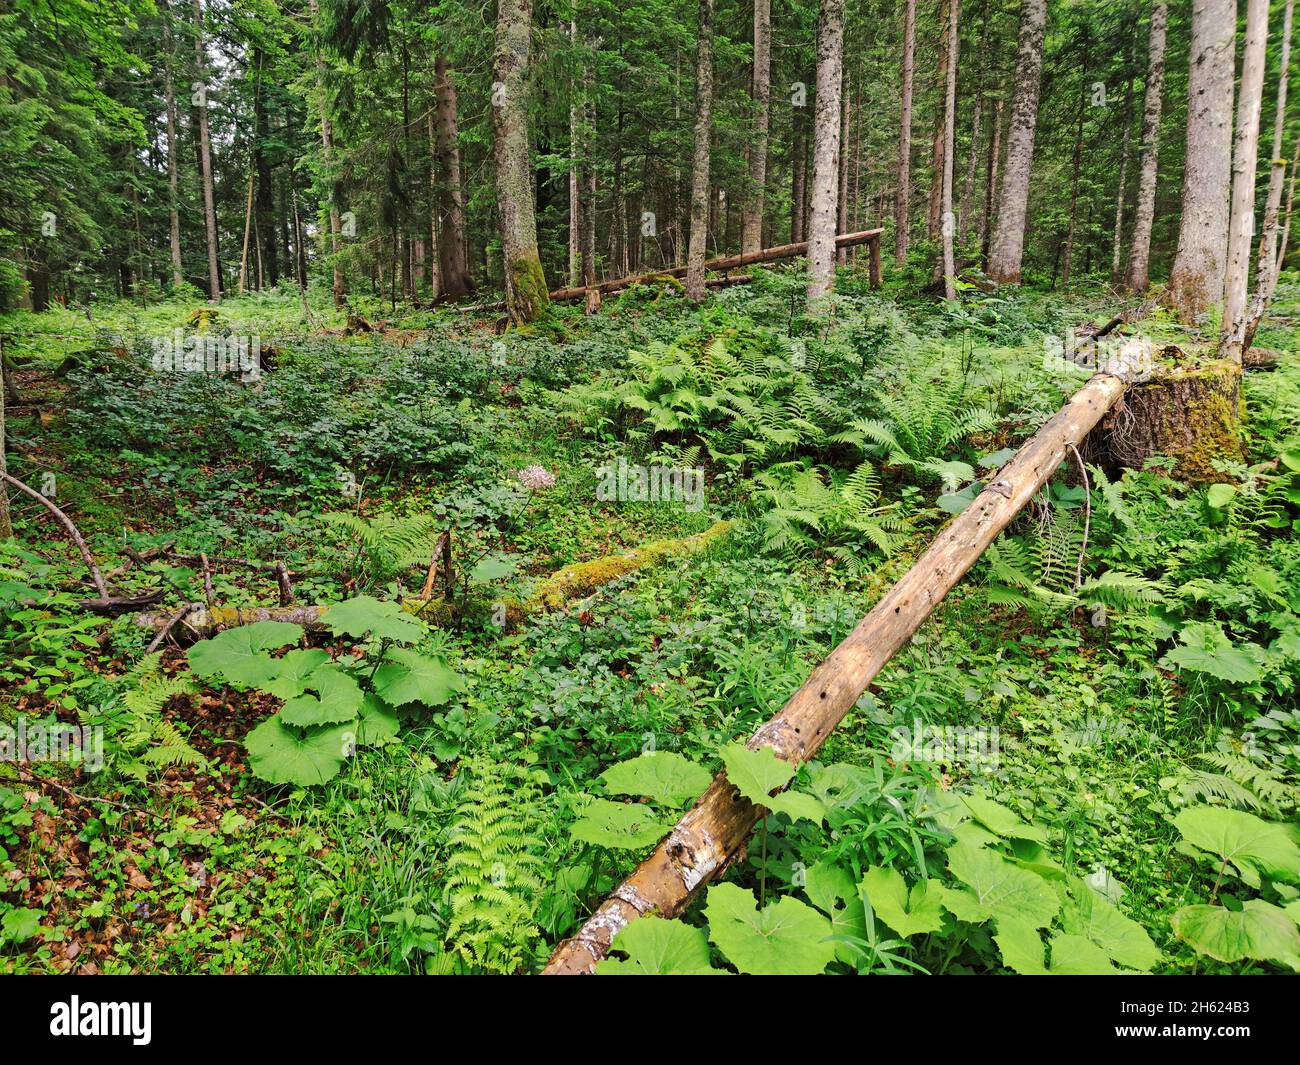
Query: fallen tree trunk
[712, 834]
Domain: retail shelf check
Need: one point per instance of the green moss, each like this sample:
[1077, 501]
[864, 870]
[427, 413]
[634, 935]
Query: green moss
[528, 283]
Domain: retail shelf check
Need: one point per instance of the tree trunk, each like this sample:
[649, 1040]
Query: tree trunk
[826, 150]
[173, 200]
[1075, 167]
[901, 209]
[713, 832]
[453, 262]
[1265, 267]
[1125, 145]
[948, 225]
[575, 230]
[798, 180]
[751, 238]
[987, 219]
[1138, 277]
[1008, 245]
[205, 158]
[526, 293]
[327, 150]
[1241, 231]
[1196, 280]
[6, 524]
[977, 120]
[698, 245]
[265, 202]
[842, 208]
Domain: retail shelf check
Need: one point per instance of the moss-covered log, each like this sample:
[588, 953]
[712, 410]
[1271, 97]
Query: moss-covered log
[1190, 412]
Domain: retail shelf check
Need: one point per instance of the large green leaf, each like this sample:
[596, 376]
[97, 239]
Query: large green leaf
[785, 938]
[337, 699]
[663, 776]
[830, 888]
[1072, 955]
[656, 947]
[1252, 845]
[295, 667]
[907, 914]
[365, 614]
[1001, 821]
[622, 825]
[285, 755]
[407, 677]
[1258, 930]
[1206, 649]
[755, 773]
[376, 721]
[1089, 915]
[238, 655]
[997, 889]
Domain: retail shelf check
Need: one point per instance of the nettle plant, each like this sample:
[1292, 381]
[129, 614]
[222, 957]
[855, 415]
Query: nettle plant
[330, 707]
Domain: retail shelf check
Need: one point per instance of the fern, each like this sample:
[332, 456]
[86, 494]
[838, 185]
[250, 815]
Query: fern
[388, 544]
[811, 508]
[148, 738]
[492, 874]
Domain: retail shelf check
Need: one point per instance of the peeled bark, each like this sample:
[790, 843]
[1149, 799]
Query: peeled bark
[525, 283]
[1008, 245]
[453, 256]
[205, 159]
[826, 150]
[905, 134]
[751, 238]
[948, 226]
[713, 832]
[699, 238]
[1196, 280]
[1138, 277]
[1241, 231]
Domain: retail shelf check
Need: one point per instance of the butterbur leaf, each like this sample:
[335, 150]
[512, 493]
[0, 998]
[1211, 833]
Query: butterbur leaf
[407, 677]
[785, 938]
[795, 804]
[1071, 955]
[1123, 939]
[337, 699]
[663, 776]
[1001, 821]
[239, 656]
[364, 614]
[285, 755]
[376, 721]
[295, 667]
[656, 947]
[755, 773]
[997, 889]
[1252, 845]
[1258, 930]
[907, 914]
[621, 825]
[830, 888]
[1205, 649]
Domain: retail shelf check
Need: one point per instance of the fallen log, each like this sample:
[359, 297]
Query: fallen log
[712, 834]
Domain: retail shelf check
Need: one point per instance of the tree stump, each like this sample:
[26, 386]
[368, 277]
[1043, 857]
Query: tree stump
[1189, 411]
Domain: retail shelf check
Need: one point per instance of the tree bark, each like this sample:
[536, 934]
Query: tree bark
[205, 158]
[697, 247]
[901, 194]
[991, 180]
[751, 238]
[948, 226]
[712, 833]
[1138, 277]
[173, 211]
[826, 150]
[453, 262]
[934, 209]
[1116, 247]
[842, 206]
[525, 283]
[1265, 267]
[1241, 230]
[1075, 167]
[327, 151]
[1008, 246]
[1196, 280]
[798, 180]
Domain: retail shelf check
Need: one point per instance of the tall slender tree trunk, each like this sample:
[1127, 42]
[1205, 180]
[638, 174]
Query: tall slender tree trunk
[264, 203]
[901, 194]
[1008, 245]
[842, 207]
[826, 150]
[527, 296]
[987, 219]
[1245, 157]
[327, 151]
[947, 224]
[173, 194]
[698, 246]
[453, 253]
[6, 524]
[575, 223]
[205, 158]
[1265, 275]
[977, 120]
[434, 251]
[751, 238]
[1075, 168]
[798, 179]
[1138, 277]
[1196, 280]
[934, 210]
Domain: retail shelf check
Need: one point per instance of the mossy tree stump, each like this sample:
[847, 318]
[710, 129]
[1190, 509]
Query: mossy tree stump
[1188, 410]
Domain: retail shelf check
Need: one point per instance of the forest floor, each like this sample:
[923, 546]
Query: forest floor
[1074, 765]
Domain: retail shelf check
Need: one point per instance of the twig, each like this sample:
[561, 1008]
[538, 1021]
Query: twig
[207, 577]
[282, 579]
[86, 556]
[46, 782]
[167, 627]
